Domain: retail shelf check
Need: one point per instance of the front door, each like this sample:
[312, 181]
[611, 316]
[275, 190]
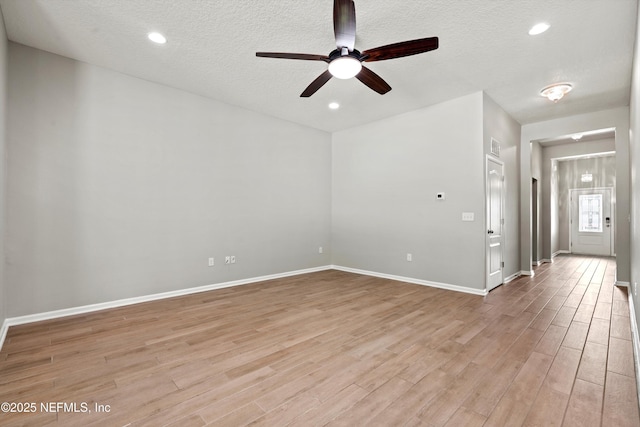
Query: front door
[495, 222]
[591, 221]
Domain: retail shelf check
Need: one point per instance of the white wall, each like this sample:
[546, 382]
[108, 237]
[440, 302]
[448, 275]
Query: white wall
[3, 143]
[634, 137]
[617, 118]
[603, 171]
[118, 187]
[385, 178]
[502, 127]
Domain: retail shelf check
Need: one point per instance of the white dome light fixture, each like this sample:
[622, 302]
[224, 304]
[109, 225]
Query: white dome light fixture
[157, 38]
[555, 92]
[334, 105]
[539, 28]
[345, 66]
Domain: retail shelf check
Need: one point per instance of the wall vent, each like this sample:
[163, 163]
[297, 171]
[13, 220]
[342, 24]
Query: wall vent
[495, 147]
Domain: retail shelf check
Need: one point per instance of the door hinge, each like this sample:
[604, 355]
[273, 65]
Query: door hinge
[502, 264]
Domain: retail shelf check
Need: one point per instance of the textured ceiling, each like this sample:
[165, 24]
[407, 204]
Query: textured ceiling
[484, 45]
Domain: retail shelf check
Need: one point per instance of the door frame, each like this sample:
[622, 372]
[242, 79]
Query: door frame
[612, 204]
[490, 158]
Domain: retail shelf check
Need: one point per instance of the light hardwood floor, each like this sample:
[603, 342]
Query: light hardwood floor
[340, 349]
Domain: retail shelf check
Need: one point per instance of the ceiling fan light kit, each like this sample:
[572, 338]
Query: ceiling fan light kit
[345, 62]
[345, 66]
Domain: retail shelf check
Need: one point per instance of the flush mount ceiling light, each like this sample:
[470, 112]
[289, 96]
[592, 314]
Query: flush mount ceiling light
[157, 38]
[539, 28]
[556, 91]
[334, 105]
[576, 137]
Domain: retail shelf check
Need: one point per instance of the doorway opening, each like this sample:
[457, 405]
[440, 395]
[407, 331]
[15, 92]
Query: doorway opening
[534, 222]
[592, 221]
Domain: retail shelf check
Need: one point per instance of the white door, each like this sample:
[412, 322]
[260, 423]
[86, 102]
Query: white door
[495, 222]
[591, 221]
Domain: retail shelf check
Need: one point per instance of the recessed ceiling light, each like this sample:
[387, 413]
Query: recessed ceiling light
[539, 29]
[555, 92]
[334, 105]
[157, 38]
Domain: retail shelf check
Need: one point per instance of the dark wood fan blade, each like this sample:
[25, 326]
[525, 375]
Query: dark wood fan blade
[303, 56]
[373, 80]
[398, 50]
[344, 23]
[316, 84]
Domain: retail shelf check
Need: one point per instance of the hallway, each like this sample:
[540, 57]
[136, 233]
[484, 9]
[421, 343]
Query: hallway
[585, 346]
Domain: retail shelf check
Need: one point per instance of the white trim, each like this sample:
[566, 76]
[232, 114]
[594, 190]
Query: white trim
[3, 332]
[635, 341]
[547, 260]
[585, 156]
[560, 251]
[623, 284]
[20, 320]
[536, 263]
[55, 314]
[513, 277]
[446, 286]
[527, 273]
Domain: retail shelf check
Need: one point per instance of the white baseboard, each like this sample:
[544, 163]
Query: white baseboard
[21, 320]
[622, 284]
[536, 263]
[446, 286]
[513, 277]
[3, 332]
[555, 254]
[527, 273]
[55, 314]
[635, 339]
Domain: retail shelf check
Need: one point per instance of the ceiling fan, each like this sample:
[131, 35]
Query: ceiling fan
[345, 62]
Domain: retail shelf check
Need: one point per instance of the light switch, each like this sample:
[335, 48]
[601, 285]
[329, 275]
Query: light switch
[468, 216]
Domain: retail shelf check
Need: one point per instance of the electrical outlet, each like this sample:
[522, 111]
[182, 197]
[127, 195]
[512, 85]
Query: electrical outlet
[227, 260]
[635, 289]
[320, 250]
[211, 263]
[233, 259]
[409, 257]
[468, 216]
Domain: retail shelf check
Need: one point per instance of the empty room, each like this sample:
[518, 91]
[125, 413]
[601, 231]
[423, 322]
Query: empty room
[309, 213]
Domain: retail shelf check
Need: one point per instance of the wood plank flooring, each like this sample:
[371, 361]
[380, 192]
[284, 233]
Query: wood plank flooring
[338, 349]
